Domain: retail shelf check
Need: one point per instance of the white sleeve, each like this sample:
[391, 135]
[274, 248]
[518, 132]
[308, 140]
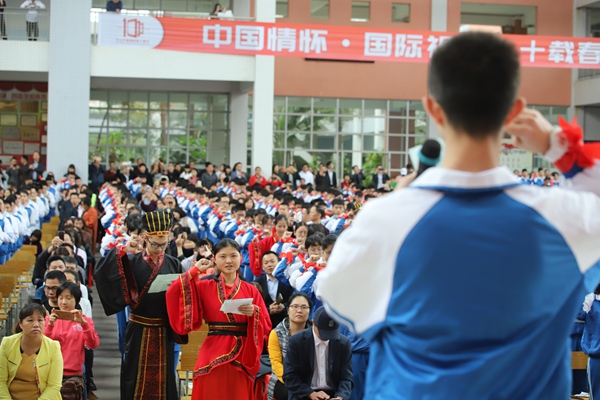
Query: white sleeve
[25, 3]
[578, 220]
[587, 303]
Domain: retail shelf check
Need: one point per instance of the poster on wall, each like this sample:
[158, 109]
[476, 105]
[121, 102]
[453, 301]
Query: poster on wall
[29, 148]
[30, 134]
[9, 132]
[514, 158]
[12, 147]
[23, 114]
[8, 120]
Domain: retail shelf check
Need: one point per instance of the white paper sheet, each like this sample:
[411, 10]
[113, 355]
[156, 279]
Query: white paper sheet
[162, 282]
[231, 306]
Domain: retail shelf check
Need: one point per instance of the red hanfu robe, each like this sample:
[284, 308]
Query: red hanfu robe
[189, 302]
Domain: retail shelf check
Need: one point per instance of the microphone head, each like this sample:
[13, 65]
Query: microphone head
[430, 151]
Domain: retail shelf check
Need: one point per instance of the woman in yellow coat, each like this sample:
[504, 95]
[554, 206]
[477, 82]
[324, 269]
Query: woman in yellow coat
[31, 365]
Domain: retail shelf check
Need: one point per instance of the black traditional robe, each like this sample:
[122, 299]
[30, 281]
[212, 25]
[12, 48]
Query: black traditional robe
[147, 371]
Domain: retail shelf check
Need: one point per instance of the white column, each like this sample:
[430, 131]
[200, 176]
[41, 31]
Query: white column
[238, 125]
[439, 23]
[262, 101]
[69, 87]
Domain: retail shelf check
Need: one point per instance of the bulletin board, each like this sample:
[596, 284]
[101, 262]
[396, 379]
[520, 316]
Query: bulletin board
[23, 119]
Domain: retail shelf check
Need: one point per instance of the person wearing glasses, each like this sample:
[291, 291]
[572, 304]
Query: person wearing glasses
[52, 281]
[124, 278]
[298, 312]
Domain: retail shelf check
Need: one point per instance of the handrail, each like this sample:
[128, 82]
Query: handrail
[166, 13]
[13, 24]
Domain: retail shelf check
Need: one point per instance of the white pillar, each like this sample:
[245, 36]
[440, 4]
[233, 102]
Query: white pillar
[69, 87]
[439, 23]
[238, 128]
[262, 101]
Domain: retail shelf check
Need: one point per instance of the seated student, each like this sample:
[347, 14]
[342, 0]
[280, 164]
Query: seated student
[52, 281]
[318, 364]
[31, 364]
[298, 312]
[73, 335]
[71, 264]
[54, 263]
[275, 293]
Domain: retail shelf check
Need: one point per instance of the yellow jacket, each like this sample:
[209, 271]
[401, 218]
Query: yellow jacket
[49, 366]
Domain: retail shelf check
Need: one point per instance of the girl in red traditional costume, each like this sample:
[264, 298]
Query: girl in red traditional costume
[229, 358]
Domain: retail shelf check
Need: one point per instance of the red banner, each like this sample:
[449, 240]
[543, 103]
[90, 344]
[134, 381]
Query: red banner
[324, 42]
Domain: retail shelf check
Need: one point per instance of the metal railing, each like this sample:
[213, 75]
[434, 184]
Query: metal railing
[14, 26]
[95, 16]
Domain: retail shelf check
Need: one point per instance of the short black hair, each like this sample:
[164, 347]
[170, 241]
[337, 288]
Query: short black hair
[475, 78]
[267, 253]
[56, 274]
[53, 258]
[73, 288]
[314, 240]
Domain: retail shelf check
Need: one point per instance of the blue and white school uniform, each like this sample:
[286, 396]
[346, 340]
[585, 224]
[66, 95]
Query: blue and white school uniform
[449, 280]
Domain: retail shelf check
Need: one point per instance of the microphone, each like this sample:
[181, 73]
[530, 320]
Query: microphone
[429, 155]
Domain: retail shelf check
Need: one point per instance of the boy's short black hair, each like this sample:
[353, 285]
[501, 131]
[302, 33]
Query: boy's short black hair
[475, 78]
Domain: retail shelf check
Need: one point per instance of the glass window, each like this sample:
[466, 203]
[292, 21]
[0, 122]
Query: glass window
[115, 137]
[118, 100]
[203, 6]
[177, 138]
[279, 140]
[147, 4]
[199, 102]
[219, 121]
[416, 109]
[324, 124]
[398, 108]
[178, 156]
[350, 142]
[138, 118]
[199, 120]
[373, 143]
[518, 20]
[178, 101]
[374, 126]
[400, 12]
[137, 152]
[397, 143]
[300, 123]
[97, 116]
[138, 137]
[94, 135]
[178, 119]
[159, 101]
[361, 11]
[350, 107]
[117, 118]
[281, 8]
[326, 142]
[298, 105]
[278, 105]
[98, 98]
[376, 107]
[138, 100]
[325, 106]
[350, 124]
[220, 102]
[397, 126]
[298, 140]
[319, 9]
[174, 5]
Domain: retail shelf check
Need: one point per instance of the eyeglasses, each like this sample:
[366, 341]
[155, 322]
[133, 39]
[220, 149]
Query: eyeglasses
[297, 307]
[51, 288]
[158, 246]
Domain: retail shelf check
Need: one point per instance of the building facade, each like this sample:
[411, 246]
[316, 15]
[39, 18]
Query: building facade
[124, 103]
